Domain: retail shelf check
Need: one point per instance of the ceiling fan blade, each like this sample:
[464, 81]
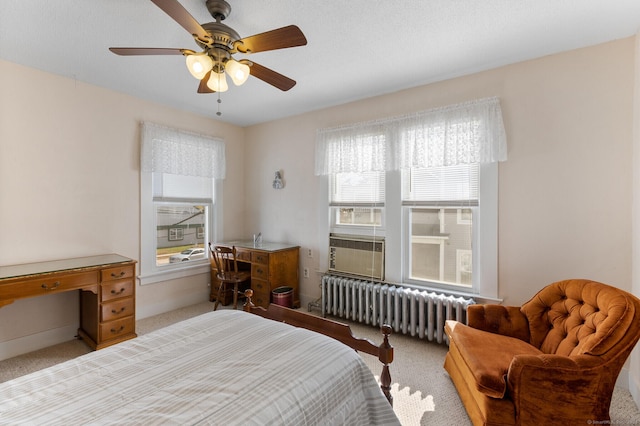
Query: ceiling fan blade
[271, 77]
[202, 87]
[132, 51]
[179, 14]
[280, 38]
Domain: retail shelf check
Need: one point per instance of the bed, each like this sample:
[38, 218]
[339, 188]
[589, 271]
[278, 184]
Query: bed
[223, 367]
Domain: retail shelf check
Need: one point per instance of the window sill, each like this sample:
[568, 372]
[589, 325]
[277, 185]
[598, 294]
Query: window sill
[172, 274]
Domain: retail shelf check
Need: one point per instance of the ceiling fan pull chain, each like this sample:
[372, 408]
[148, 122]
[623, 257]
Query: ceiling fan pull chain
[219, 102]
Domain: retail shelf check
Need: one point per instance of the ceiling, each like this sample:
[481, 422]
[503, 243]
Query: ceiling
[356, 48]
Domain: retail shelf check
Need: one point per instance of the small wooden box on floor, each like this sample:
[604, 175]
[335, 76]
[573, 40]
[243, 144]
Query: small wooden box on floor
[272, 265]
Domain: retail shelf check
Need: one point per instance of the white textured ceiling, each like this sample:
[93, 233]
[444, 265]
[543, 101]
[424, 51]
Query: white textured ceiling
[356, 48]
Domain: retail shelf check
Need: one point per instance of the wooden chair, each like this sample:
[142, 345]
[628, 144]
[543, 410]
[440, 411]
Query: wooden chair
[224, 261]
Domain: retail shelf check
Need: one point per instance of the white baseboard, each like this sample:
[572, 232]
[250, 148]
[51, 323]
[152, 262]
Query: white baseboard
[33, 342]
[634, 389]
[623, 378]
[176, 302]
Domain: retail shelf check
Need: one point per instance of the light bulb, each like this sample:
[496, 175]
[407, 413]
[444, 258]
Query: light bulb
[238, 72]
[199, 64]
[218, 82]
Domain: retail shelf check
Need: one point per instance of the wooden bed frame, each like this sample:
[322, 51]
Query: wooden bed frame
[335, 329]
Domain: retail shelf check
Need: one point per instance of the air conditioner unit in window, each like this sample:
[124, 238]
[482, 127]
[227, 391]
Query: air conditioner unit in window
[357, 255]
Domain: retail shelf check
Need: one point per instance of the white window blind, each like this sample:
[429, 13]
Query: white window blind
[450, 185]
[174, 188]
[366, 188]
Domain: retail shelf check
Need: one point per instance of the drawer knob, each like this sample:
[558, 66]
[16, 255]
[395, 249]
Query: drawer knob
[114, 275]
[118, 292]
[113, 311]
[113, 330]
[53, 287]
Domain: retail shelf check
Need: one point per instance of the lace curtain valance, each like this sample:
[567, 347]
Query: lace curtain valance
[182, 153]
[471, 132]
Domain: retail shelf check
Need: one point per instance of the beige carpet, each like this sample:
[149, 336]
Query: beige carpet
[422, 391]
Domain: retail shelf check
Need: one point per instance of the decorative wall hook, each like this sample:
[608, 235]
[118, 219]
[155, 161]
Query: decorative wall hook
[278, 183]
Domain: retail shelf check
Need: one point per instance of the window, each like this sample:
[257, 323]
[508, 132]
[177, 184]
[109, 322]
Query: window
[357, 201]
[179, 175]
[440, 204]
[437, 193]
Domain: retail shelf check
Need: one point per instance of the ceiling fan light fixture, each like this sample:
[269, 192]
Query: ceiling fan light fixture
[238, 72]
[218, 82]
[199, 64]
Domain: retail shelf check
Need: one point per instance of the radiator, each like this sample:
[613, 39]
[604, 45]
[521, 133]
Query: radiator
[409, 311]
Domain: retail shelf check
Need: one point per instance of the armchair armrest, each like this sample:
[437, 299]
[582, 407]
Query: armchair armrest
[505, 320]
[558, 387]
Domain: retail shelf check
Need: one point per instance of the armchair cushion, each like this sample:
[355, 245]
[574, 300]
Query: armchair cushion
[488, 356]
[575, 317]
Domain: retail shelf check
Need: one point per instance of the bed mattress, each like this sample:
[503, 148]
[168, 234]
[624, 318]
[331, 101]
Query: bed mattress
[223, 368]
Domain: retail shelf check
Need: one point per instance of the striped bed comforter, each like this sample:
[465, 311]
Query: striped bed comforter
[222, 368]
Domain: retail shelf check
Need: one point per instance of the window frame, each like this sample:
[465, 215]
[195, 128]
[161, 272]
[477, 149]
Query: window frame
[355, 229]
[484, 241]
[150, 272]
[485, 260]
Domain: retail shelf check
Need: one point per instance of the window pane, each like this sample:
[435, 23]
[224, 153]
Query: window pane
[358, 216]
[440, 240]
[181, 232]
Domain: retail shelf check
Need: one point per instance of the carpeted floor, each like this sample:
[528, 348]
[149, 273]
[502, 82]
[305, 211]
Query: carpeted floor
[422, 391]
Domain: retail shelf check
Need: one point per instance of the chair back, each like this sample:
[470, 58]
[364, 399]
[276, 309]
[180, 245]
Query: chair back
[224, 259]
[575, 317]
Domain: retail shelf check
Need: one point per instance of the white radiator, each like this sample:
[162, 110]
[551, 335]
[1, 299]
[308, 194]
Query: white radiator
[409, 311]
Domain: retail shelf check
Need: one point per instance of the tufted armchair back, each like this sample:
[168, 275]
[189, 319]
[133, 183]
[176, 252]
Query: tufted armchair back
[582, 317]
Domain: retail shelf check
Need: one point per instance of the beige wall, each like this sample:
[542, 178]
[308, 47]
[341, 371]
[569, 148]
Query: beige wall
[69, 186]
[565, 191]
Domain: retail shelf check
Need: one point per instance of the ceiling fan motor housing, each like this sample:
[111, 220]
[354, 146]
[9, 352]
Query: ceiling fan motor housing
[221, 34]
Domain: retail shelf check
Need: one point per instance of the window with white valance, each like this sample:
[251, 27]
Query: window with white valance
[471, 132]
[179, 173]
[177, 152]
[442, 169]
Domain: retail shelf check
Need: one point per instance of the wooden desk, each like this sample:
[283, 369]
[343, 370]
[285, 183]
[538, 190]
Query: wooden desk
[107, 292]
[272, 265]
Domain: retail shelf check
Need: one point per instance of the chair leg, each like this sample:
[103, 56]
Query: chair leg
[220, 287]
[235, 295]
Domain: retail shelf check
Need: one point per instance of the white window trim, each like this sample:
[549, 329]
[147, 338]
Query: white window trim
[484, 243]
[485, 260]
[149, 272]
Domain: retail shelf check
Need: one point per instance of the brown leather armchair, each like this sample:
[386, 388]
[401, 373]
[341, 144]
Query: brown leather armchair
[555, 360]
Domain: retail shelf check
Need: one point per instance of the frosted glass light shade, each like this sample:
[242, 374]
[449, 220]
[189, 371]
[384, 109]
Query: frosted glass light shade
[238, 72]
[199, 64]
[218, 82]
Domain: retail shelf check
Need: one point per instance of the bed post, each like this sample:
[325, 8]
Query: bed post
[386, 357]
[248, 304]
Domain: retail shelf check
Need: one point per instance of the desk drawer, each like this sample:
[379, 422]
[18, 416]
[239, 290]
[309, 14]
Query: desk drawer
[118, 309]
[243, 255]
[261, 293]
[41, 286]
[257, 257]
[117, 273]
[117, 289]
[260, 271]
[114, 329]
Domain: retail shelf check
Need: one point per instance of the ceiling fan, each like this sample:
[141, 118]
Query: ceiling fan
[219, 43]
